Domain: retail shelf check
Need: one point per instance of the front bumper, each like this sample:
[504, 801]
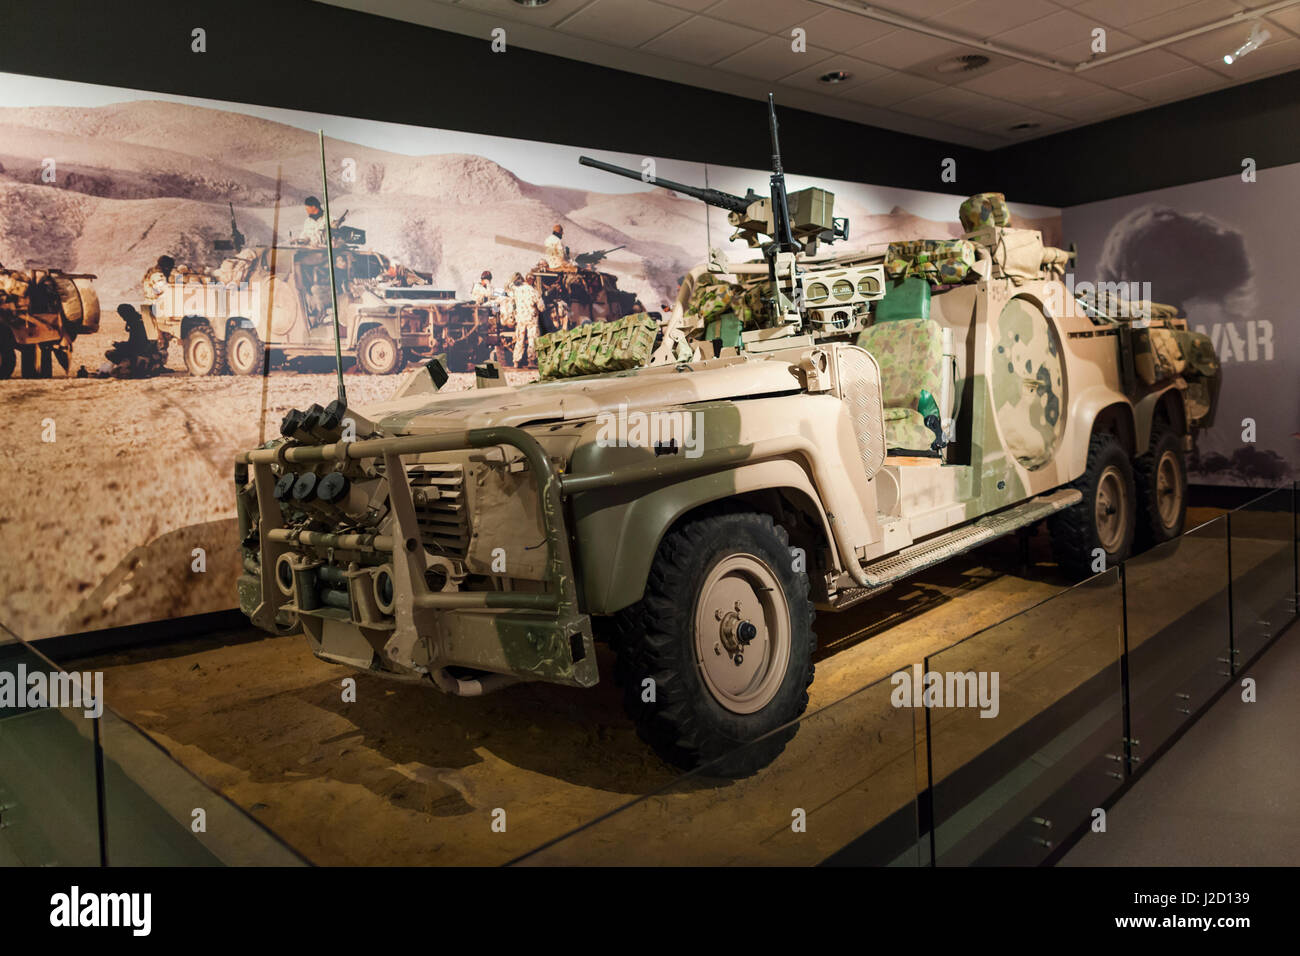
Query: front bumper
[365, 599]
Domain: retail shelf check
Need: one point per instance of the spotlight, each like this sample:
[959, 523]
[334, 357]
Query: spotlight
[1256, 39]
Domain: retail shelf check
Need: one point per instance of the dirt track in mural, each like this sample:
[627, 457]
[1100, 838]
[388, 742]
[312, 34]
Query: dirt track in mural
[101, 523]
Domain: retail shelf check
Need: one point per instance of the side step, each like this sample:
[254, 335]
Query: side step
[886, 571]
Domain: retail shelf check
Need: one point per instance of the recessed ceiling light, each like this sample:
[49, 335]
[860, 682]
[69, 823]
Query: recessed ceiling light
[1021, 126]
[963, 64]
[833, 77]
[532, 3]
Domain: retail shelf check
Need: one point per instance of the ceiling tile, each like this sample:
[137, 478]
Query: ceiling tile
[1051, 35]
[699, 6]
[1288, 19]
[1080, 50]
[890, 89]
[860, 71]
[623, 22]
[983, 18]
[918, 9]
[546, 16]
[769, 16]
[841, 30]
[1136, 68]
[942, 102]
[1030, 84]
[701, 40]
[902, 50]
[1046, 122]
[1187, 17]
[1085, 109]
[1120, 13]
[771, 58]
[1192, 81]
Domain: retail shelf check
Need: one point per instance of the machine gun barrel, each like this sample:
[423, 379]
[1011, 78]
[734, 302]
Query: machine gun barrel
[714, 197]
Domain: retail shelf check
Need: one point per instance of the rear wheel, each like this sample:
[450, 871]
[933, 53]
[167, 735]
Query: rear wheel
[205, 354]
[1161, 478]
[718, 652]
[244, 352]
[378, 354]
[1102, 524]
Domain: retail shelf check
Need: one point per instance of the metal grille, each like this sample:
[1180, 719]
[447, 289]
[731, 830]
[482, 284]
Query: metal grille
[859, 388]
[440, 507]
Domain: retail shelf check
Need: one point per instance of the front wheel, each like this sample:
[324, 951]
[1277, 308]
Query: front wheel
[378, 354]
[1097, 533]
[718, 652]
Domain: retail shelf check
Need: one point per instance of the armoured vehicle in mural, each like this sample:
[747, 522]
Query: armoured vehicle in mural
[587, 294]
[279, 297]
[804, 431]
[42, 311]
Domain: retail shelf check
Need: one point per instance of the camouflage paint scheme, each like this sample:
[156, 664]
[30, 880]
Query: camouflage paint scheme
[444, 485]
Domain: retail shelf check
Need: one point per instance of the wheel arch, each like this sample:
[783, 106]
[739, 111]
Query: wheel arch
[617, 541]
[1163, 407]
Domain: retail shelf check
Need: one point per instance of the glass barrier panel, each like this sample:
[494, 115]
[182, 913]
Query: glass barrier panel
[1026, 727]
[1262, 540]
[156, 813]
[843, 790]
[1176, 607]
[48, 792]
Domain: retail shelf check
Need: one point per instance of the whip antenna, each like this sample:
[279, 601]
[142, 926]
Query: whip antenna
[329, 248]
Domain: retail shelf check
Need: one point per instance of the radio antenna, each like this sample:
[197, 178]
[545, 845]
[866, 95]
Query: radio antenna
[329, 248]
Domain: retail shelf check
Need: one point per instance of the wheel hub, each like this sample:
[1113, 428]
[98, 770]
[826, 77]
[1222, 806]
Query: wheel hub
[1169, 490]
[742, 633]
[1110, 511]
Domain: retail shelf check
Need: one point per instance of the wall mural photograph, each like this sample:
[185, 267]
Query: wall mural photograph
[171, 217]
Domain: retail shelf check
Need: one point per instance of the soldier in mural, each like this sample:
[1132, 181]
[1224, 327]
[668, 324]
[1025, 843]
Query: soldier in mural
[557, 253]
[482, 291]
[138, 356]
[527, 306]
[313, 226]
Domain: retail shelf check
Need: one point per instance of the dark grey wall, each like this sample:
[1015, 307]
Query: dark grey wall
[382, 69]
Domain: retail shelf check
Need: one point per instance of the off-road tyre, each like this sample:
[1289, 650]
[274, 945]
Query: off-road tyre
[205, 354]
[687, 723]
[1161, 479]
[244, 352]
[1105, 518]
[378, 354]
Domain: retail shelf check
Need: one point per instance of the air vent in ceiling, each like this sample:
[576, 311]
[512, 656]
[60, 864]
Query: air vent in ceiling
[965, 63]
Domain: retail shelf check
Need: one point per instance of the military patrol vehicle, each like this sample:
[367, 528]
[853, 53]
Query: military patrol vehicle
[279, 296]
[42, 311]
[837, 424]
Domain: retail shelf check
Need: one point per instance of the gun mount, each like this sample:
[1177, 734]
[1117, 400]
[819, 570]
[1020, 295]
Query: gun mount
[779, 222]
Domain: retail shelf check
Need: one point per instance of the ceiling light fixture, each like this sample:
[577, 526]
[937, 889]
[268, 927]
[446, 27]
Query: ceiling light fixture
[532, 3]
[833, 77]
[1256, 39]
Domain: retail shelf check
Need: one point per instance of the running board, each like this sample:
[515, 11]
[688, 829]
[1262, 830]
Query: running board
[881, 574]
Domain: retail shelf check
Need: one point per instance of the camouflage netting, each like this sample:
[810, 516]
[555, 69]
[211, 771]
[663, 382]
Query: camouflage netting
[984, 209]
[597, 347]
[941, 261]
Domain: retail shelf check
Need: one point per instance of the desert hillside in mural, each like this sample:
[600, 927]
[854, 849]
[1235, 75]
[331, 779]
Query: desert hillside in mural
[110, 516]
